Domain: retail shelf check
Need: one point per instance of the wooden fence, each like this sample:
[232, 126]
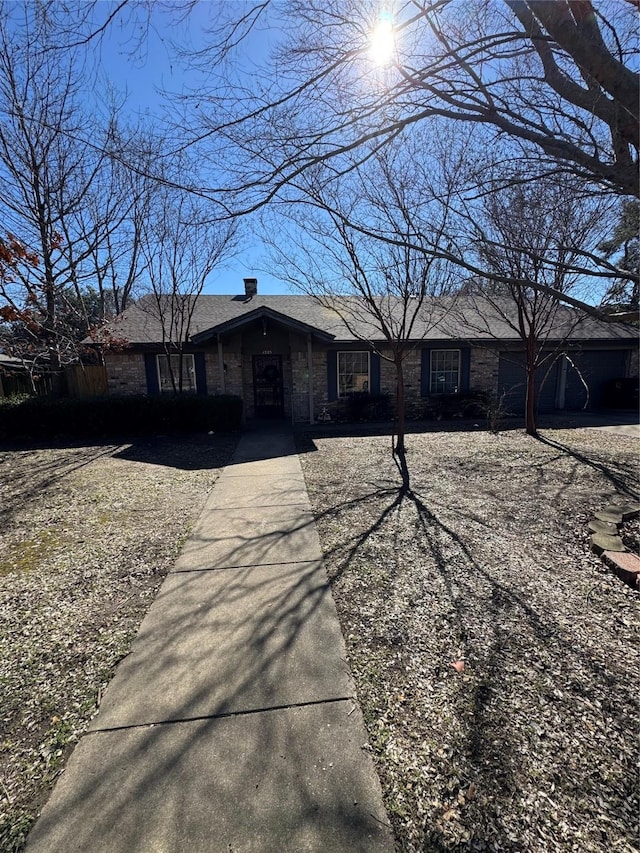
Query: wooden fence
[89, 380]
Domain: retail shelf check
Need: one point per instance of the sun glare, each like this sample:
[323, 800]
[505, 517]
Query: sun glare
[383, 40]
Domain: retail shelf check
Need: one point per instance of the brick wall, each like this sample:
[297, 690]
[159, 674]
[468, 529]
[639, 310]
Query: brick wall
[483, 374]
[412, 369]
[125, 373]
[299, 379]
[299, 382]
[633, 363]
[213, 373]
[232, 370]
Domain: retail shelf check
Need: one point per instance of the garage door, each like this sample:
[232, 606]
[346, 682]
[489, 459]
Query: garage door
[596, 367]
[512, 382]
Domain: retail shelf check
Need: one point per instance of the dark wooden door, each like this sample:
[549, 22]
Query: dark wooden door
[268, 392]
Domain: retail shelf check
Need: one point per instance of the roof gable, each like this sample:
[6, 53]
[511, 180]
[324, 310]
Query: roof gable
[260, 313]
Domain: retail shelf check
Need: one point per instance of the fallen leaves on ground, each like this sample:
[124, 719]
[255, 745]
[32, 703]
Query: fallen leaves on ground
[474, 597]
[87, 534]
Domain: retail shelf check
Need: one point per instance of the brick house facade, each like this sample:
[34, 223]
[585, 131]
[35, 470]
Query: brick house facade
[292, 358]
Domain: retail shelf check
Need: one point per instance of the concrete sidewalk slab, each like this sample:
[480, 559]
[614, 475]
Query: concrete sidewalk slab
[264, 467]
[283, 781]
[260, 490]
[231, 726]
[266, 443]
[250, 536]
[228, 641]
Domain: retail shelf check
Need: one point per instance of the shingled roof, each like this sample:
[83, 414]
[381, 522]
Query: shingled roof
[442, 319]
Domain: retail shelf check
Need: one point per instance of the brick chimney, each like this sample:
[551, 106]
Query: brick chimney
[250, 287]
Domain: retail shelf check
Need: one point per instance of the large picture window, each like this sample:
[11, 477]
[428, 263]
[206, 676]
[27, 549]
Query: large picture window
[353, 373]
[444, 374]
[188, 373]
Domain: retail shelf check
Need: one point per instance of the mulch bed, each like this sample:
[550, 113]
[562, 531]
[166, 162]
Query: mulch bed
[495, 657]
[87, 534]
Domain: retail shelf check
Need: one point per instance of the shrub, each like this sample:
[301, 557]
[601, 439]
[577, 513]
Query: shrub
[44, 417]
[495, 411]
[446, 406]
[363, 406]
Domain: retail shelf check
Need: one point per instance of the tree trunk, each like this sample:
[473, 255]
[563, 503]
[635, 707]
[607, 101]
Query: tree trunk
[400, 448]
[530, 406]
[400, 404]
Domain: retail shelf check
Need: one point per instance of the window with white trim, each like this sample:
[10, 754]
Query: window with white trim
[444, 371]
[353, 372]
[188, 373]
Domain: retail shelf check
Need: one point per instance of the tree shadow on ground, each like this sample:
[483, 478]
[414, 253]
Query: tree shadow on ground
[510, 620]
[195, 452]
[620, 473]
[558, 420]
[261, 641]
[26, 475]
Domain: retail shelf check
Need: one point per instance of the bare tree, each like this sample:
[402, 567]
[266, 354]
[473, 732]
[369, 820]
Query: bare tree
[550, 87]
[384, 292]
[120, 205]
[182, 244]
[66, 194]
[532, 232]
[558, 79]
[50, 179]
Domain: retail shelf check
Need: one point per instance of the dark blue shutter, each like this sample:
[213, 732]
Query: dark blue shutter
[332, 375]
[151, 370]
[375, 373]
[201, 372]
[465, 368]
[424, 372]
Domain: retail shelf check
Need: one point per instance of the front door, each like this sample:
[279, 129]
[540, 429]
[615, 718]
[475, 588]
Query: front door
[268, 393]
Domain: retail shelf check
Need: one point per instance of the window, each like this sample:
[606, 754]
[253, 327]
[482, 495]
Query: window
[188, 373]
[353, 372]
[444, 377]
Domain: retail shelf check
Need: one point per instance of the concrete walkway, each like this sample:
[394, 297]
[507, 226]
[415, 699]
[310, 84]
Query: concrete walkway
[231, 727]
[632, 430]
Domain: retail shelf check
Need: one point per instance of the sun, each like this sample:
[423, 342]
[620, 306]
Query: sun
[383, 41]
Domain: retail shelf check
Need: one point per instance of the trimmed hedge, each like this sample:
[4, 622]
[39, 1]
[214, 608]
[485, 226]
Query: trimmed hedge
[45, 417]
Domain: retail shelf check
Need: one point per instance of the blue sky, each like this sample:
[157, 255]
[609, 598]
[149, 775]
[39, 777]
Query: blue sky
[142, 75]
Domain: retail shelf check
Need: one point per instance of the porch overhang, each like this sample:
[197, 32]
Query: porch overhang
[262, 314]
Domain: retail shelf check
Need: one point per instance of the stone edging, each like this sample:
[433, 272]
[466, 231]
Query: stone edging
[606, 541]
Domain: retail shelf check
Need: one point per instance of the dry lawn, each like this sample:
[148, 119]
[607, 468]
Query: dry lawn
[531, 746]
[531, 743]
[87, 534]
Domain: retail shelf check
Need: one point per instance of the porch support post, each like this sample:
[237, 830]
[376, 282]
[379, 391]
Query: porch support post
[221, 365]
[310, 376]
[561, 389]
